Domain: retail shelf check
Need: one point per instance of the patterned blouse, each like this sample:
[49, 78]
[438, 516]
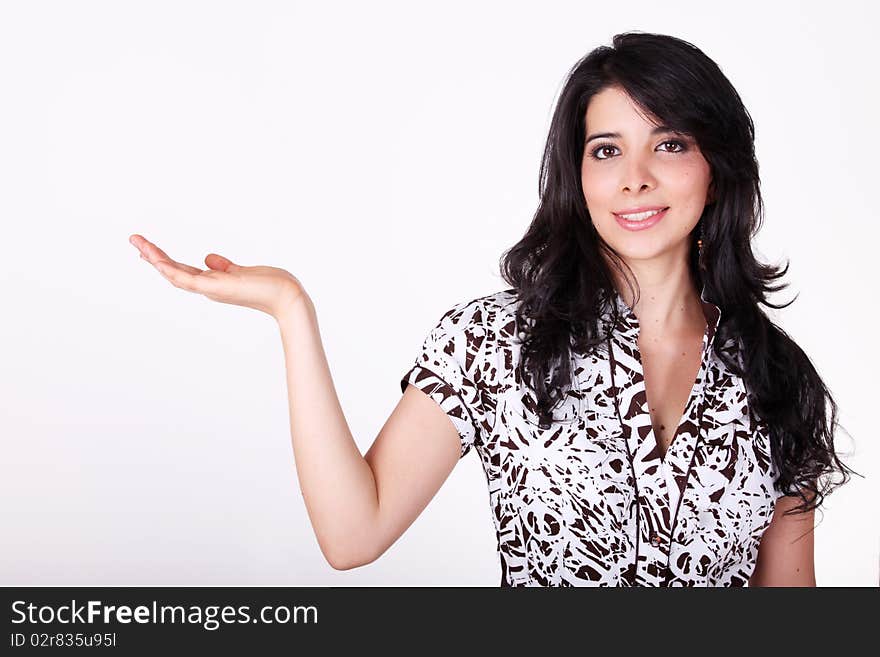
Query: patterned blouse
[589, 500]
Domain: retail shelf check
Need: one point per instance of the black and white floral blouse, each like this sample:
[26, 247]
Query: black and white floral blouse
[589, 500]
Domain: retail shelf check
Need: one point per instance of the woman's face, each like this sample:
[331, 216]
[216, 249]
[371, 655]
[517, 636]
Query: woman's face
[640, 168]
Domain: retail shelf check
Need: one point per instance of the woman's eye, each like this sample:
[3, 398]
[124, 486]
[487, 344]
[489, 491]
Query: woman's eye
[599, 153]
[677, 143]
[601, 149]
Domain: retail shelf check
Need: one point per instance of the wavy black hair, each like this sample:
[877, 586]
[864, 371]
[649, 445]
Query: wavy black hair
[559, 273]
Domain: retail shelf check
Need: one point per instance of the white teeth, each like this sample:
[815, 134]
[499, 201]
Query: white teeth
[640, 216]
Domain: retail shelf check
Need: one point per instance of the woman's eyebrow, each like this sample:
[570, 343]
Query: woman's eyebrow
[616, 135]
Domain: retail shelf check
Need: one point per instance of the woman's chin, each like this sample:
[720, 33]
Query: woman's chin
[648, 250]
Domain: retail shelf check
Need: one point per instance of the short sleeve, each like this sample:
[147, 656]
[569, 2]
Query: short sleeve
[761, 442]
[447, 369]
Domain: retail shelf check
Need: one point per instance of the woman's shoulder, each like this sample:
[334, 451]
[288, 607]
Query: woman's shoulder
[491, 315]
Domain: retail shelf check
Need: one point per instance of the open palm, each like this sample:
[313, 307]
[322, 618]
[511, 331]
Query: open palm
[267, 289]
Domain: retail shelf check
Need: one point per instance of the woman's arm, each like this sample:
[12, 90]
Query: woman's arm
[358, 505]
[785, 557]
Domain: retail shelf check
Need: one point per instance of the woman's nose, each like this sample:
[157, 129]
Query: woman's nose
[637, 175]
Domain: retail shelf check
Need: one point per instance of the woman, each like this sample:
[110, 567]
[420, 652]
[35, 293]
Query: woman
[640, 420]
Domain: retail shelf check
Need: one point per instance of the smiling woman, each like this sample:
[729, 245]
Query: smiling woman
[676, 176]
[640, 420]
[650, 197]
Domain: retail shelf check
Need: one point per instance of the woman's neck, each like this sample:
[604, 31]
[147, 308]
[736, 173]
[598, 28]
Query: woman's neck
[668, 302]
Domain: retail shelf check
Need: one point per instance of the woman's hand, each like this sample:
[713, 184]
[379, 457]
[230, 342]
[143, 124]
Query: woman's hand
[267, 289]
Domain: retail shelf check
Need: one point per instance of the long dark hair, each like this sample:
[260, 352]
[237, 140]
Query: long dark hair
[559, 273]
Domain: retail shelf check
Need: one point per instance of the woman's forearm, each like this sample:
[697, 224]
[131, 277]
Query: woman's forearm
[336, 481]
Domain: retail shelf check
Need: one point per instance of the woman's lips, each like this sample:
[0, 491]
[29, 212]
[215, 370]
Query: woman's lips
[640, 225]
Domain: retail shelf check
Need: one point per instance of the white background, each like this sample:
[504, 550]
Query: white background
[386, 154]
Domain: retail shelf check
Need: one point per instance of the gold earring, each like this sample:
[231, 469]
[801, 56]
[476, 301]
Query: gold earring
[700, 262]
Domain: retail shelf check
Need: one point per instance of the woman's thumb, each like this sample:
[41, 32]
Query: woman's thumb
[219, 263]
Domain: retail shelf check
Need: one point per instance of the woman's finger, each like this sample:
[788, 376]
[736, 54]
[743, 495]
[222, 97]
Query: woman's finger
[218, 262]
[201, 282]
[154, 254]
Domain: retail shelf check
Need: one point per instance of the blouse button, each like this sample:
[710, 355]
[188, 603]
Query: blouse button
[656, 540]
